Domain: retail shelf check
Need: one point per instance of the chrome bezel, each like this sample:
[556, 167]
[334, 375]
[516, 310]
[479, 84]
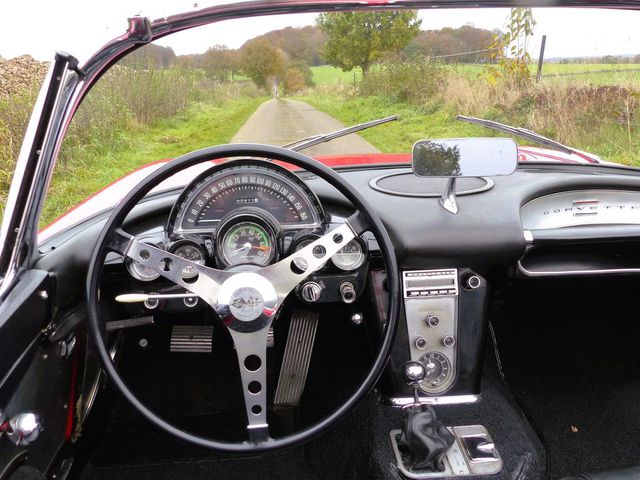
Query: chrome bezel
[190, 244]
[232, 225]
[361, 258]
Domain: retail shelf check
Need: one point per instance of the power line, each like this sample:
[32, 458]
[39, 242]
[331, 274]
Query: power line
[466, 53]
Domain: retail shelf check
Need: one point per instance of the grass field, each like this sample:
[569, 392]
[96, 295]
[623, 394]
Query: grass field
[328, 75]
[596, 74]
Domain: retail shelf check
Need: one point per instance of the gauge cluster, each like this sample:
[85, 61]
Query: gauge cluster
[248, 214]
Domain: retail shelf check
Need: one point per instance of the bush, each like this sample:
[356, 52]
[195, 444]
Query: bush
[400, 80]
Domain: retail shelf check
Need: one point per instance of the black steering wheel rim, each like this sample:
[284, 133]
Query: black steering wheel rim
[374, 224]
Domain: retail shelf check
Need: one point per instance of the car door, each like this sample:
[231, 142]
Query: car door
[39, 351]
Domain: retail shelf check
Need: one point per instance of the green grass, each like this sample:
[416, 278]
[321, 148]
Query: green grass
[93, 168]
[416, 123]
[395, 137]
[594, 73]
[328, 75]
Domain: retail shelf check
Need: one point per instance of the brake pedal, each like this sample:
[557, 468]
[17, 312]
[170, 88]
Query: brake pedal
[297, 356]
[191, 338]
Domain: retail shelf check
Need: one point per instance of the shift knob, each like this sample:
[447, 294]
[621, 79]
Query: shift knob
[414, 373]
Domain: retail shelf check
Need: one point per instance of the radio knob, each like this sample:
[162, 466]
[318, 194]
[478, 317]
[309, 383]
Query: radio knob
[432, 321]
[311, 292]
[473, 282]
[421, 343]
[449, 340]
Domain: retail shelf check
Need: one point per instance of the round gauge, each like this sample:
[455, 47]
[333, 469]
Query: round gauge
[247, 242]
[192, 253]
[140, 272]
[301, 263]
[437, 367]
[350, 256]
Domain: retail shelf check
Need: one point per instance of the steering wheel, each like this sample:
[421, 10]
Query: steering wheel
[248, 321]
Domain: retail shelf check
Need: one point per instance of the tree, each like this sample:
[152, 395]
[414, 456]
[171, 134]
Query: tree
[358, 39]
[510, 50]
[261, 61]
[220, 63]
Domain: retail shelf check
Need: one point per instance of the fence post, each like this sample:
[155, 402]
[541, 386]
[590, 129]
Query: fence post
[541, 57]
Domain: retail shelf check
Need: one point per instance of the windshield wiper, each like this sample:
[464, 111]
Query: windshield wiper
[327, 137]
[526, 134]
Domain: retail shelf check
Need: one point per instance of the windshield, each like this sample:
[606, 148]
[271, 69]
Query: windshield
[571, 75]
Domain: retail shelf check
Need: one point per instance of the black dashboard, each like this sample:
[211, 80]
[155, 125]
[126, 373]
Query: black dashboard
[543, 220]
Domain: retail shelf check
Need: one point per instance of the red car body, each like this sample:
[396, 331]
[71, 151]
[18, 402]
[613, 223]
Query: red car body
[116, 191]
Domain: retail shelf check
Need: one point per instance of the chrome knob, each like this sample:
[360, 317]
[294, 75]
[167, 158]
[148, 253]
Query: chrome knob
[24, 429]
[421, 343]
[414, 373]
[432, 321]
[449, 340]
[311, 292]
[473, 282]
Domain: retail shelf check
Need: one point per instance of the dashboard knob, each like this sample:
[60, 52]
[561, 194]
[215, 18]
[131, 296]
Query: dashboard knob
[24, 428]
[473, 282]
[432, 321]
[449, 340]
[311, 292]
[421, 343]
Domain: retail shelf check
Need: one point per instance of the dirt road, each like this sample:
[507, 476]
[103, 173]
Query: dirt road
[280, 121]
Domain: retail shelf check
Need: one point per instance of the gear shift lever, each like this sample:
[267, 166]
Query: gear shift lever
[414, 373]
[424, 440]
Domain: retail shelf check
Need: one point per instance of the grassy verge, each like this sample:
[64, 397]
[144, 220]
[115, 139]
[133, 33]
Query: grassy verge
[395, 137]
[88, 169]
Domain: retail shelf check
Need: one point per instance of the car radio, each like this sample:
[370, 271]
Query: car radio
[431, 306]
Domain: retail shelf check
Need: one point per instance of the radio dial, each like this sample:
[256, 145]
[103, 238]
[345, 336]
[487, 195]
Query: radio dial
[432, 321]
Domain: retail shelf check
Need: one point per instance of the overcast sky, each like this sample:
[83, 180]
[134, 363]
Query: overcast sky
[80, 27]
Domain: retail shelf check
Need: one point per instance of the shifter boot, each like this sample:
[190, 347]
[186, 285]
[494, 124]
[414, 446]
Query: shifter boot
[424, 440]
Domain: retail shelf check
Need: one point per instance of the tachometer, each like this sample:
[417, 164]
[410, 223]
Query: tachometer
[247, 242]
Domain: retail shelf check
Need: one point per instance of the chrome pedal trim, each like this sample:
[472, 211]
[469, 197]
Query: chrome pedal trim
[191, 339]
[297, 356]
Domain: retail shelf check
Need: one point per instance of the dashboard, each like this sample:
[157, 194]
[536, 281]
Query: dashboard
[542, 221]
[245, 214]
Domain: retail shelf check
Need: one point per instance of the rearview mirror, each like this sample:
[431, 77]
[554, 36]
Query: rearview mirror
[465, 157]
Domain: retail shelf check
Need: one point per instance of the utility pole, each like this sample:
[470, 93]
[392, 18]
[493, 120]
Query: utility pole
[541, 58]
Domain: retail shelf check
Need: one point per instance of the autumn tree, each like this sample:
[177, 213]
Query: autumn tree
[220, 63]
[358, 39]
[261, 61]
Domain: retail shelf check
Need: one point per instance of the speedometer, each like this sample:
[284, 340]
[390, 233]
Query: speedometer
[245, 183]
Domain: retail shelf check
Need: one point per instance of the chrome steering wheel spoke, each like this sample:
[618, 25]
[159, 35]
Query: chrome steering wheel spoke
[251, 349]
[286, 274]
[205, 284]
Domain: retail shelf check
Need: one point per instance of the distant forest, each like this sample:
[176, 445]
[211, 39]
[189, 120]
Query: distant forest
[466, 44]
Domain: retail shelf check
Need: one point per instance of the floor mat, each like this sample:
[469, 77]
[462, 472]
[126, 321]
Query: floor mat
[573, 362]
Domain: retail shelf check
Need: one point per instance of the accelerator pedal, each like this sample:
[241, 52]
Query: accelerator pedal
[191, 338]
[297, 356]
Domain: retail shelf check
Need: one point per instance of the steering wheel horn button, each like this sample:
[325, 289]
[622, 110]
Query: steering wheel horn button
[246, 304]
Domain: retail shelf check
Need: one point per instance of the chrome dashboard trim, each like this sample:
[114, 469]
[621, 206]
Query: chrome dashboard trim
[572, 208]
[401, 402]
[560, 273]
